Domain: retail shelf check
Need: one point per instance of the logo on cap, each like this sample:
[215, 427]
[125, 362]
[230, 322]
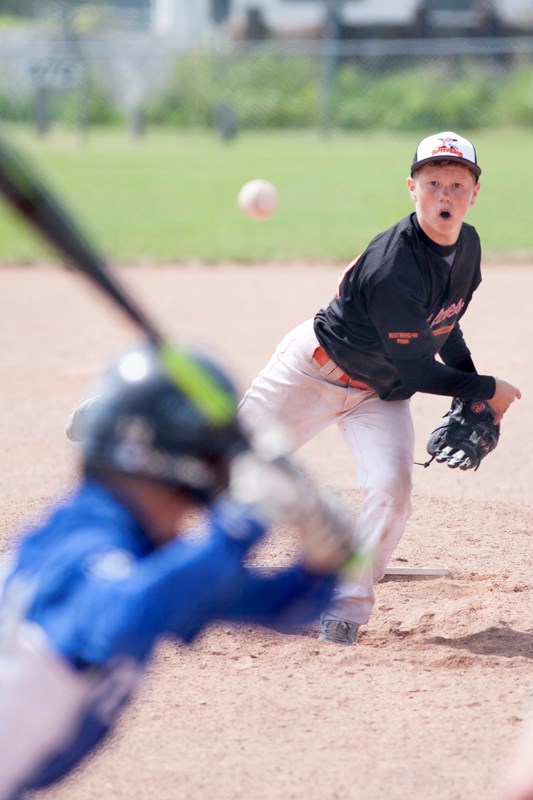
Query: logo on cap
[447, 146]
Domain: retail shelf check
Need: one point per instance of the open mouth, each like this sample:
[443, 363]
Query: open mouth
[445, 215]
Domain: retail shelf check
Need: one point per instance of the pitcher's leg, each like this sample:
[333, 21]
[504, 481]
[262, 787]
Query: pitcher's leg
[381, 438]
[291, 392]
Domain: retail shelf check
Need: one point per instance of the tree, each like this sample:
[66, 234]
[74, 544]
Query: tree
[20, 8]
[30, 8]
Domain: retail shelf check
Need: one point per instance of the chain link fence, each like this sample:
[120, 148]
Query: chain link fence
[131, 77]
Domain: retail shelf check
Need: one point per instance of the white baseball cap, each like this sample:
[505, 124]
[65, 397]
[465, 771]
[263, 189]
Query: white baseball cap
[446, 145]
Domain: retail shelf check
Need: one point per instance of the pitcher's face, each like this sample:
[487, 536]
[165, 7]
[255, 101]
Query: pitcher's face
[442, 195]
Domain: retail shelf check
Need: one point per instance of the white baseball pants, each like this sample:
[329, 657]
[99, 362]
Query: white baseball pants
[41, 698]
[294, 390]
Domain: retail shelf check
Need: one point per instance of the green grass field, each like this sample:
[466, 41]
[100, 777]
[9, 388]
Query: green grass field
[172, 196]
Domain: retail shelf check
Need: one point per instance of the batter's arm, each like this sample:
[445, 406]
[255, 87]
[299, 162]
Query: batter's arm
[282, 600]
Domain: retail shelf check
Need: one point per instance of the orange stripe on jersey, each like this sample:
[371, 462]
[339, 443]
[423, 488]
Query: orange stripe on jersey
[350, 266]
[441, 331]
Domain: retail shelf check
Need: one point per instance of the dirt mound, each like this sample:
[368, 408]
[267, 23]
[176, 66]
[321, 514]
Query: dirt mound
[428, 704]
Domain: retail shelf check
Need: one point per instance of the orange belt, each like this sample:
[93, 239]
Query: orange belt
[322, 358]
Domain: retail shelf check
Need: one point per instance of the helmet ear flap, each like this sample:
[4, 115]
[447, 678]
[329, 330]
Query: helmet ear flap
[141, 423]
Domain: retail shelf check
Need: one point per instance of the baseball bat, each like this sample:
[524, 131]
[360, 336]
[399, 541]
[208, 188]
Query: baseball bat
[27, 193]
[30, 196]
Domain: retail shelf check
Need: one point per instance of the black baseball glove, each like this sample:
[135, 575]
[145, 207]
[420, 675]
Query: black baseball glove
[466, 434]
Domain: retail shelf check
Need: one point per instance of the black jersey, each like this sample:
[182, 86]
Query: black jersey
[398, 306]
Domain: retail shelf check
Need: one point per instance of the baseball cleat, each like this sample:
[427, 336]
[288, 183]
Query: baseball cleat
[338, 632]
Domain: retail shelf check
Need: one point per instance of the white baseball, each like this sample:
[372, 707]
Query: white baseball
[258, 199]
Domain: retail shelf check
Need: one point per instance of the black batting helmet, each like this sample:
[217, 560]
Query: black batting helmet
[145, 424]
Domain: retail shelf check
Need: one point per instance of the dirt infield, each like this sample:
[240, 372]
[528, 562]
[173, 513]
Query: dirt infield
[428, 704]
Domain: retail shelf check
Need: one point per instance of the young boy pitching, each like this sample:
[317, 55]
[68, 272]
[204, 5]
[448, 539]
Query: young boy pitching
[392, 329]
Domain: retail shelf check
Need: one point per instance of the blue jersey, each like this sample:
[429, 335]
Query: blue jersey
[89, 597]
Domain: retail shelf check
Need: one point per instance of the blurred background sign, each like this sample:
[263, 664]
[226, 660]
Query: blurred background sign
[55, 73]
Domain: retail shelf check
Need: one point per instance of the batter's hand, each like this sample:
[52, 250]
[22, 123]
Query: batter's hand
[327, 533]
[504, 395]
[75, 427]
[265, 487]
[279, 493]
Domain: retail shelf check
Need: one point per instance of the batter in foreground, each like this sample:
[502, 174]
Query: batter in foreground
[94, 587]
[398, 307]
